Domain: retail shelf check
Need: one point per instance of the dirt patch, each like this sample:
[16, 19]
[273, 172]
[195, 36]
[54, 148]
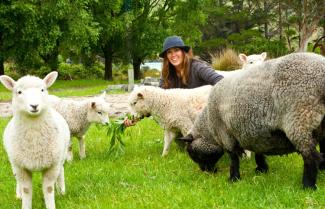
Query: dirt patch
[119, 105]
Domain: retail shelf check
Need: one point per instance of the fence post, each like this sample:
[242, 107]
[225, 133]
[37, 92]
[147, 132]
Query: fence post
[131, 79]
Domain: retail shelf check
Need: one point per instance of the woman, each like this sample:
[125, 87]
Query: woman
[181, 70]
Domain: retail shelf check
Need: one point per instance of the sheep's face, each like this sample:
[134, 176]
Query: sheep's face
[203, 153]
[253, 59]
[98, 110]
[138, 103]
[30, 96]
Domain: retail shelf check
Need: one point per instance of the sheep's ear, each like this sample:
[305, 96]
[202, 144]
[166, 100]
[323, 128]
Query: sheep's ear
[264, 54]
[243, 57]
[140, 95]
[50, 78]
[8, 82]
[93, 105]
[189, 138]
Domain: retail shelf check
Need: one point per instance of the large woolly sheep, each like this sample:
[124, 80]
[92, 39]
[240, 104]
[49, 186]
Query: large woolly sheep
[79, 115]
[275, 108]
[175, 109]
[36, 138]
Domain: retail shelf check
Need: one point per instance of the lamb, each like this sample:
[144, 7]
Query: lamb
[79, 115]
[175, 109]
[275, 108]
[252, 59]
[248, 61]
[36, 138]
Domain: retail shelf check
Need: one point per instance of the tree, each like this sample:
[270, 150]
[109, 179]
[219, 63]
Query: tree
[113, 19]
[308, 14]
[147, 30]
[17, 26]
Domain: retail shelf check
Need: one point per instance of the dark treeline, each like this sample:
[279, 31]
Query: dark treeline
[35, 33]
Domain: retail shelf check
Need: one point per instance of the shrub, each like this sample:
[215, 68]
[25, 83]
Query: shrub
[226, 60]
[79, 71]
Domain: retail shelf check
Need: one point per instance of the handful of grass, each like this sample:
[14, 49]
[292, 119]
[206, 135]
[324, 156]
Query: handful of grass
[116, 134]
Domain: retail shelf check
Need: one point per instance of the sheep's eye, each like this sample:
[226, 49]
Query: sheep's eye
[42, 90]
[100, 113]
[19, 92]
[134, 103]
[251, 62]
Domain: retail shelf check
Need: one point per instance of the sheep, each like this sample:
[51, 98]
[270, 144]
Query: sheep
[248, 61]
[175, 109]
[36, 138]
[79, 115]
[275, 108]
[252, 59]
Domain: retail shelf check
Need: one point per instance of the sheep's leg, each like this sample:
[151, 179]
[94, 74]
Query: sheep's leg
[60, 182]
[82, 147]
[168, 138]
[310, 170]
[18, 187]
[261, 163]
[70, 153]
[24, 185]
[49, 178]
[234, 167]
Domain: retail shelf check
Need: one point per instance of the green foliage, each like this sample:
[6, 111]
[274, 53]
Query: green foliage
[79, 71]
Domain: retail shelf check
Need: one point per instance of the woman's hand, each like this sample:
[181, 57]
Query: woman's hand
[127, 122]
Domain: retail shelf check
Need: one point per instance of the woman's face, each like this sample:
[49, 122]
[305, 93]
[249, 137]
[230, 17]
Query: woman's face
[175, 56]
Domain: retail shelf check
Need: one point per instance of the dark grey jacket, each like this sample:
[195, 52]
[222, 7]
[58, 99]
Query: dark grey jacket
[200, 74]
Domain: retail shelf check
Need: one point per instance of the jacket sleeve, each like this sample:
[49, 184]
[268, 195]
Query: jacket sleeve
[206, 73]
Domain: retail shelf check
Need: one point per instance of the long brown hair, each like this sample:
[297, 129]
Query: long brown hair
[169, 75]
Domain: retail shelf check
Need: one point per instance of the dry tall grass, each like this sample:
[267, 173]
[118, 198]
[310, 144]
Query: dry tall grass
[226, 60]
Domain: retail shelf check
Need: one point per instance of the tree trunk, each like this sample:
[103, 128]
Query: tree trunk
[136, 68]
[2, 67]
[280, 19]
[108, 54]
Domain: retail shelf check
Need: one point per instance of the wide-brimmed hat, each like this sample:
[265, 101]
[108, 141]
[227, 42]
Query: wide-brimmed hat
[173, 42]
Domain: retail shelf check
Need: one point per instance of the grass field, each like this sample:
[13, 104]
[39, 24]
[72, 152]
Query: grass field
[141, 178]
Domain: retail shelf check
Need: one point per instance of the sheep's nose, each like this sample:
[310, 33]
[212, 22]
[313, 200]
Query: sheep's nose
[34, 107]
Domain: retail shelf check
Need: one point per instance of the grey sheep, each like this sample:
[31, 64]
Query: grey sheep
[275, 108]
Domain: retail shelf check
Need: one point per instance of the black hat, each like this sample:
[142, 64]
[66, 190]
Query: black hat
[173, 42]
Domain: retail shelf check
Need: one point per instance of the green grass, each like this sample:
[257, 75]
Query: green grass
[141, 178]
[69, 88]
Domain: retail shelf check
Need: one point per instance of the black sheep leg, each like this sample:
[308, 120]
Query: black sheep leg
[310, 170]
[261, 165]
[234, 167]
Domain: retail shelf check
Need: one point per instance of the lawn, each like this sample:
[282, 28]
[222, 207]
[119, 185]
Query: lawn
[141, 178]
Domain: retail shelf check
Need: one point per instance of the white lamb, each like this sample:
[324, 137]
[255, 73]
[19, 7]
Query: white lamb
[252, 59]
[36, 138]
[79, 115]
[175, 109]
[247, 61]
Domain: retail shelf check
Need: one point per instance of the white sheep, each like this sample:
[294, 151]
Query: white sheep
[175, 109]
[79, 115]
[36, 138]
[275, 108]
[247, 61]
[252, 59]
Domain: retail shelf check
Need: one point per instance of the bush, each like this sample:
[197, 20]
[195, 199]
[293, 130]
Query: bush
[226, 60]
[79, 71]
